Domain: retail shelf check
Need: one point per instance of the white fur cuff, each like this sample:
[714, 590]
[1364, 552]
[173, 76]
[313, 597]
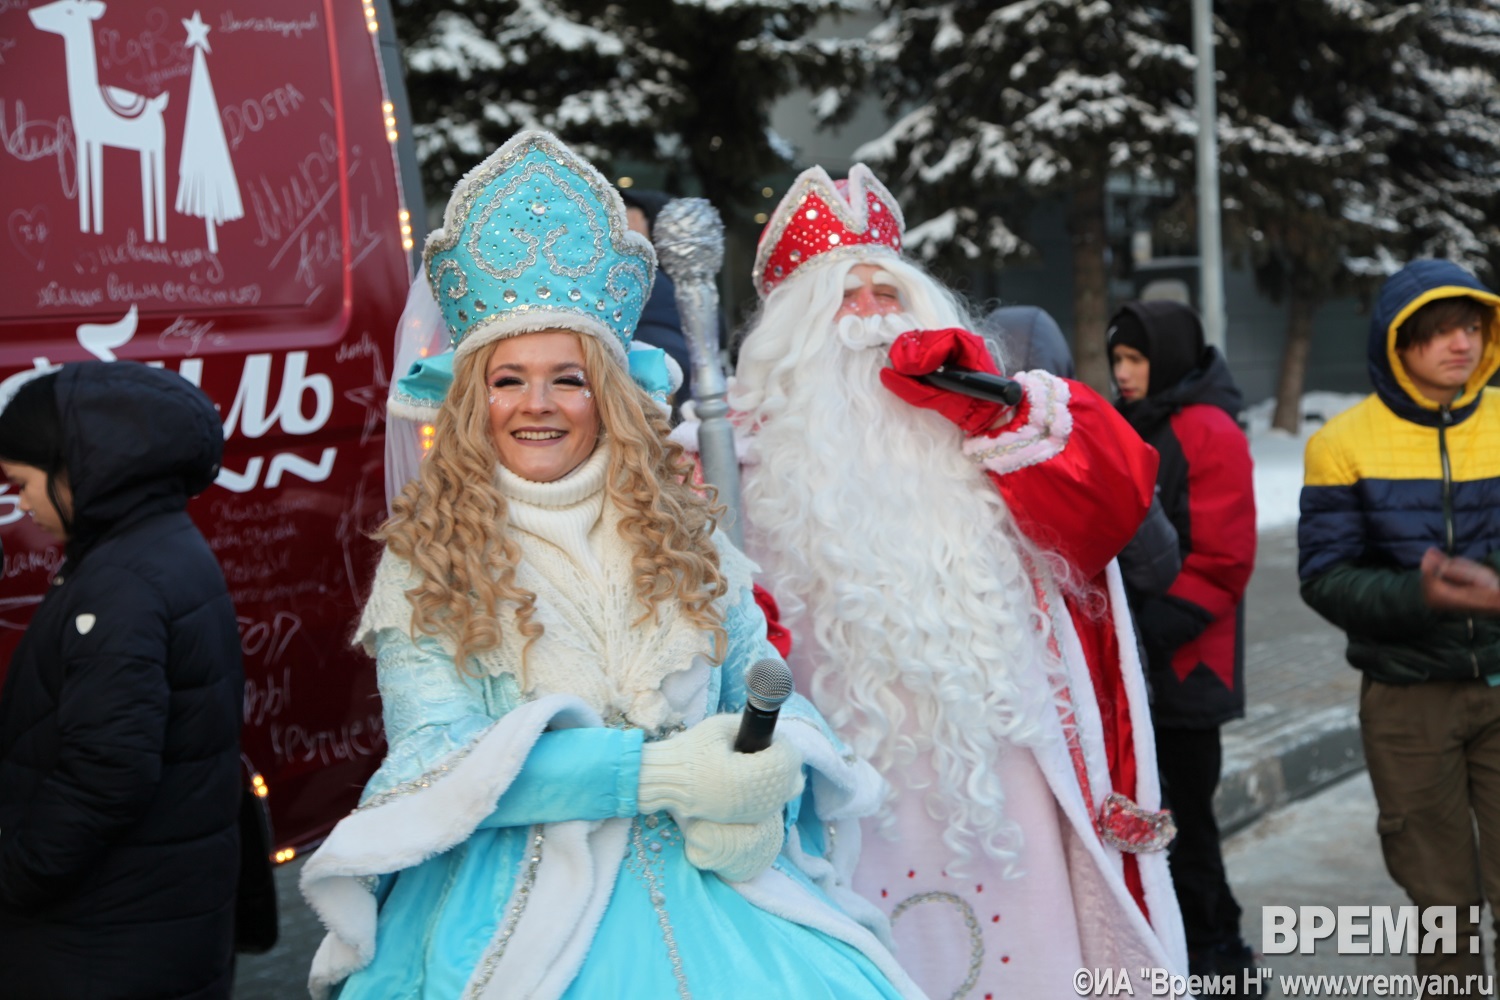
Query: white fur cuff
[1040, 434]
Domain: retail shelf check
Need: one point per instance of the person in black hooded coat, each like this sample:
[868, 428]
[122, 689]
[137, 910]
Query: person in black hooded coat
[120, 716]
[1179, 396]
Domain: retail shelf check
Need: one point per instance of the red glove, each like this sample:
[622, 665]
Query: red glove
[918, 352]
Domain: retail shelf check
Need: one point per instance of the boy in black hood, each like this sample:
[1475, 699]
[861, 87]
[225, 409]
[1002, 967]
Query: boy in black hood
[1178, 395]
[120, 718]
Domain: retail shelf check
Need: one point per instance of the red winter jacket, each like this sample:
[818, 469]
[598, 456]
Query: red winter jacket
[1194, 634]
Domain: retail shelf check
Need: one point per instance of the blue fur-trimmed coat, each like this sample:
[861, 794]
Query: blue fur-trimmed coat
[498, 851]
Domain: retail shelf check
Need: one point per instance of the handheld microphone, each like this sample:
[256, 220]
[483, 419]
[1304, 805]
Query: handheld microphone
[980, 385]
[768, 683]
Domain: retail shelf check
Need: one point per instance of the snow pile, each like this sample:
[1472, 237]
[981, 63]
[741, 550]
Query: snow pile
[1278, 455]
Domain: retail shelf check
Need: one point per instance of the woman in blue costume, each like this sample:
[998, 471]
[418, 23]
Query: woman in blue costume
[561, 638]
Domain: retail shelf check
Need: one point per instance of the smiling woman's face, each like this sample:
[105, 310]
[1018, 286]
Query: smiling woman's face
[543, 416]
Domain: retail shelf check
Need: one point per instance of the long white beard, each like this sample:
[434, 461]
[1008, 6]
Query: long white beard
[902, 576]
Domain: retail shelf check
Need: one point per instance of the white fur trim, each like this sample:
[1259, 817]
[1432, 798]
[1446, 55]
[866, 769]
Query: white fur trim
[844, 786]
[834, 874]
[515, 322]
[1099, 891]
[1156, 877]
[674, 370]
[1084, 702]
[581, 861]
[1042, 437]
[411, 411]
[402, 830]
[783, 896]
[685, 434]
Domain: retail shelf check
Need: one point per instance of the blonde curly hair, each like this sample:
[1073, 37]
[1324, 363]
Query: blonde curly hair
[451, 523]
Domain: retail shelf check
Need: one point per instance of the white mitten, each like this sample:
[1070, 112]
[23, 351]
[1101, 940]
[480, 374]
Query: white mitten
[697, 775]
[736, 851]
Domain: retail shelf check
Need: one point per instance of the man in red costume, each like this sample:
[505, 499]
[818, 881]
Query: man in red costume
[945, 565]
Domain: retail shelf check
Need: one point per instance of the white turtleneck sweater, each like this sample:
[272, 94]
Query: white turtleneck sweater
[652, 674]
[564, 513]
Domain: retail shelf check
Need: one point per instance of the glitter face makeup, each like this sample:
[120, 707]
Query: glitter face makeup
[543, 417]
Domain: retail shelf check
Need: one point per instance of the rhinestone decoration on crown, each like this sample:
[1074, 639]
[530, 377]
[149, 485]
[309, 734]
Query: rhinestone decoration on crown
[820, 219]
[535, 238]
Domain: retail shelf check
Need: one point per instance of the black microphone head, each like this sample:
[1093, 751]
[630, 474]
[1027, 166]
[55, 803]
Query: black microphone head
[768, 683]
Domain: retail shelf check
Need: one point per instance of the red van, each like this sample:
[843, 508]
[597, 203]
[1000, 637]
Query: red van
[215, 188]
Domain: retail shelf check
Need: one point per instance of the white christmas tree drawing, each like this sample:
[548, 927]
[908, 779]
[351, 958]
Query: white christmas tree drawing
[206, 184]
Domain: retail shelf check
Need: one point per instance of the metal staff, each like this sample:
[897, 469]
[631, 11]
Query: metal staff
[689, 237]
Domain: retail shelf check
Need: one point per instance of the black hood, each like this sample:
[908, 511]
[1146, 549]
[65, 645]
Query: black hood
[138, 441]
[1174, 337]
[1029, 339]
[1183, 370]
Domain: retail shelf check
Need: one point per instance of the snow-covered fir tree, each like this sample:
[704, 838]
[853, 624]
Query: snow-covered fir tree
[1445, 150]
[999, 105]
[684, 84]
[1355, 135]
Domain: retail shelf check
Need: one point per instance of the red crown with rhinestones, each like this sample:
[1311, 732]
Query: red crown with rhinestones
[820, 219]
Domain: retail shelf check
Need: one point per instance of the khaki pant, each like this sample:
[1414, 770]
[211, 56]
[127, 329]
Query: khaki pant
[1433, 752]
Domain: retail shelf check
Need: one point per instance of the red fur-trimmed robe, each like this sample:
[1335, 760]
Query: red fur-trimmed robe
[1095, 891]
[1078, 481]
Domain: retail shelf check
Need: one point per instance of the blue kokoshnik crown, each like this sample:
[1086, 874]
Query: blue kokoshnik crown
[534, 238]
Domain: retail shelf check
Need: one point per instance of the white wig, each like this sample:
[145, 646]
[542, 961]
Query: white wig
[909, 590]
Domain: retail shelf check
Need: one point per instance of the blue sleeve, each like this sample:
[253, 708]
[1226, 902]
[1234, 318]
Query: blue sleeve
[574, 774]
[433, 711]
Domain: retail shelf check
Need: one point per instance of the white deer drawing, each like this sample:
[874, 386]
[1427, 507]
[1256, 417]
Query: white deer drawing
[107, 116]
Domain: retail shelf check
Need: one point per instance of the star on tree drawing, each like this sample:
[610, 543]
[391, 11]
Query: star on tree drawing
[206, 183]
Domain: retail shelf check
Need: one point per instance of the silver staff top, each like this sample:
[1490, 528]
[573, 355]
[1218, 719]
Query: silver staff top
[689, 238]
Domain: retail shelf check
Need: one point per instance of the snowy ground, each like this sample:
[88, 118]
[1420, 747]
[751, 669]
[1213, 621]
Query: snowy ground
[1278, 455]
